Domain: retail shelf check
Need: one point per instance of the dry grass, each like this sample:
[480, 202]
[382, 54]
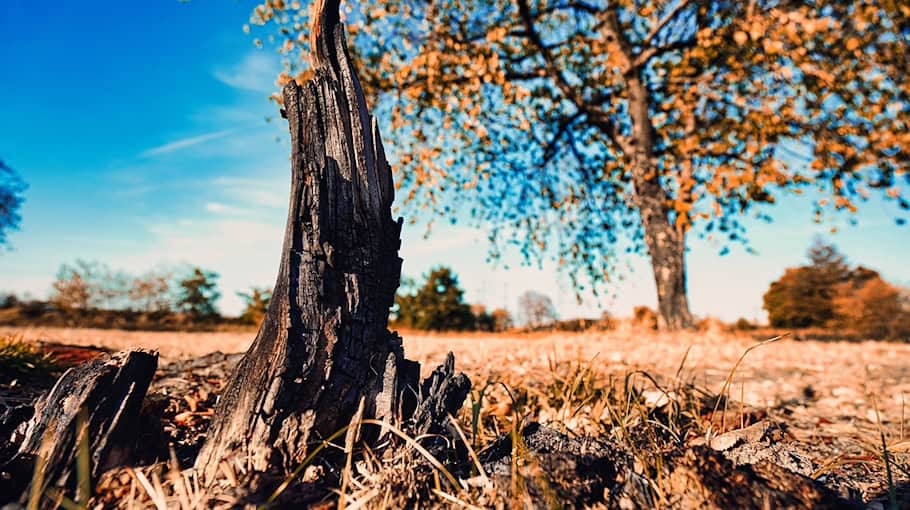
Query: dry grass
[20, 358]
[844, 402]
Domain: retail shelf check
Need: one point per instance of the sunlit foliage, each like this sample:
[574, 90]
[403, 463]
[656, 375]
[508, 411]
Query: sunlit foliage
[558, 122]
[828, 293]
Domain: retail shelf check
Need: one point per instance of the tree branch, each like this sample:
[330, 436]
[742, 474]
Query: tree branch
[664, 22]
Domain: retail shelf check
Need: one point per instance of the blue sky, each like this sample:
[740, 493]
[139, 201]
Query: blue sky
[141, 130]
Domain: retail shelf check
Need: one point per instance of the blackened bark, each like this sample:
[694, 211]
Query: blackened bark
[98, 402]
[324, 343]
[666, 243]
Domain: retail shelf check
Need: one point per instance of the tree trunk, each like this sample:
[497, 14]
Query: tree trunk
[324, 344]
[97, 402]
[667, 250]
[666, 243]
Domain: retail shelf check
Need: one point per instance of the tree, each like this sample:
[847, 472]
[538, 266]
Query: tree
[9, 300]
[497, 321]
[536, 310]
[502, 320]
[11, 189]
[483, 320]
[91, 285]
[71, 290]
[438, 305]
[804, 296]
[152, 292]
[568, 126]
[872, 308]
[256, 304]
[199, 293]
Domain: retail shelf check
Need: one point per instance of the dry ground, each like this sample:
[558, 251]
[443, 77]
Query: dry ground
[835, 398]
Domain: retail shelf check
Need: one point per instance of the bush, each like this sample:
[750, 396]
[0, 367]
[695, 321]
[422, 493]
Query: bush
[743, 324]
[256, 305]
[645, 318]
[828, 293]
[873, 309]
[711, 325]
[804, 296]
[502, 320]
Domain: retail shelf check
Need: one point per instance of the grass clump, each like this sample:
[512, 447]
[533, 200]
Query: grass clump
[19, 359]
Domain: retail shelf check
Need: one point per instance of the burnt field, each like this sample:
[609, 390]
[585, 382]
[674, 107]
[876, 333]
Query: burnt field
[812, 423]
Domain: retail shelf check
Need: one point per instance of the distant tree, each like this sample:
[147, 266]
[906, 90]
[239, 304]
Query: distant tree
[872, 308]
[11, 189]
[483, 320]
[8, 300]
[152, 292]
[438, 305]
[536, 310]
[256, 303]
[91, 284]
[496, 321]
[199, 293]
[804, 296]
[575, 124]
[72, 288]
[807, 296]
[502, 320]
[94, 285]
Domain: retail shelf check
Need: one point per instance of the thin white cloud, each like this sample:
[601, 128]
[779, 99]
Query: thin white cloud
[219, 208]
[185, 143]
[256, 72]
[264, 190]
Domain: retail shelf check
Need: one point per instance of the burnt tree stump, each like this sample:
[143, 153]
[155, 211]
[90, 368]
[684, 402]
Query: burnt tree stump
[324, 343]
[98, 402]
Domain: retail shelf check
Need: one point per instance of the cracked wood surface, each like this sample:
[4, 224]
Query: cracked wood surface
[99, 402]
[324, 343]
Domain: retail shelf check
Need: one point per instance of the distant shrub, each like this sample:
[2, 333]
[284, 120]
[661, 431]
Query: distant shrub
[579, 325]
[502, 320]
[743, 324]
[645, 318]
[256, 303]
[711, 325]
[8, 300]
[804, 296]
[873, 309]
[829, 294]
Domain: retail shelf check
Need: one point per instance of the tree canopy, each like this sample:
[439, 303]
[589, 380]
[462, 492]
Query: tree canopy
[828, 292]
[256, 304]
[536, 310]
[199, 293]
[438, 305]
[581, 128]
[11, 189]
